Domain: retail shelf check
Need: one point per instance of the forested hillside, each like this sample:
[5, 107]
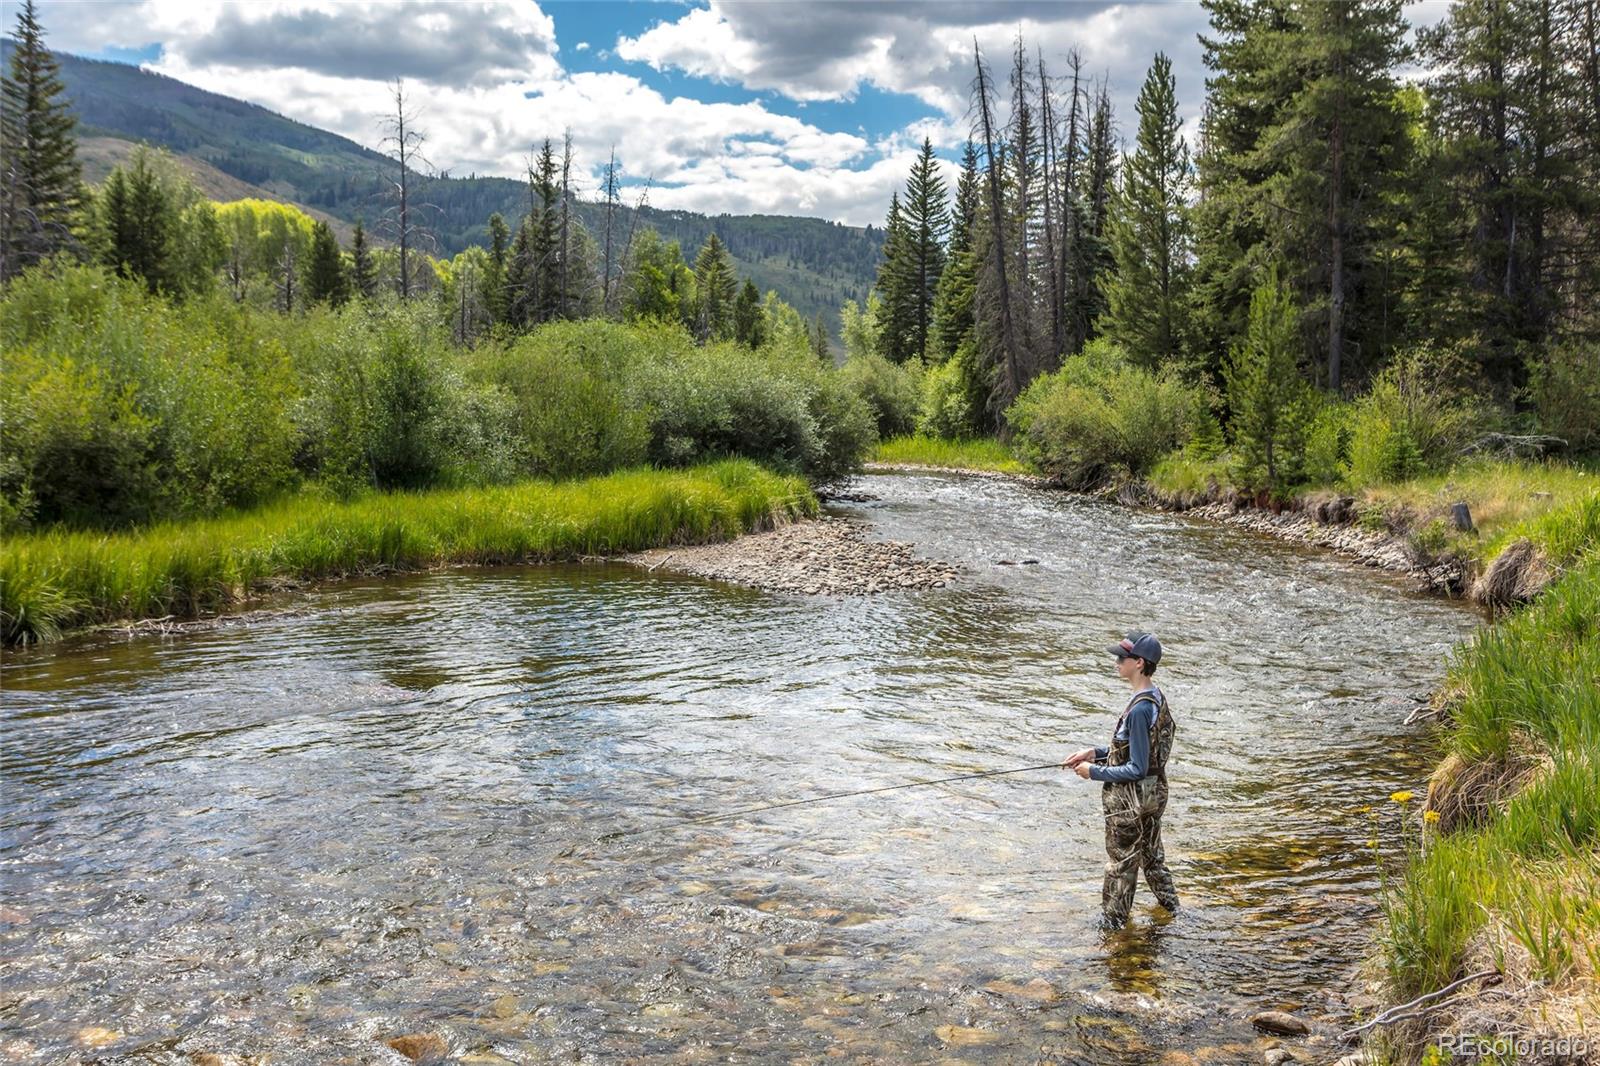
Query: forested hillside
[814, 264]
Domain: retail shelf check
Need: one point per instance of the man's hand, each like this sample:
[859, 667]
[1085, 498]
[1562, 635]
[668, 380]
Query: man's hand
[1077, 758]
[1082, 770]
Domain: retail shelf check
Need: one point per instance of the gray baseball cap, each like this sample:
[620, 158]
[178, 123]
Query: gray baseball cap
[1137, 646]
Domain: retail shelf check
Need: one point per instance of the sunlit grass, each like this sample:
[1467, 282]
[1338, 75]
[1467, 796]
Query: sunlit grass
[1524, 884]
[1555, 504]
[976, 453]
[55, 581]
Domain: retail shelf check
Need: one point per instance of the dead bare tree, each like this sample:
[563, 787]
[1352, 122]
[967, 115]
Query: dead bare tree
[564, 296]
[404, 144]
[611, 214]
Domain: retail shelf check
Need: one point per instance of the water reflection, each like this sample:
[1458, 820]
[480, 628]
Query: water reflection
[390, 808]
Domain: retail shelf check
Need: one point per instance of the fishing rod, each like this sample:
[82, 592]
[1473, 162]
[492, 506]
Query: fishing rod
[829, 797]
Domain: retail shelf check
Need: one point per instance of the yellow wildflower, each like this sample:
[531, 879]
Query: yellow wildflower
[1431, 817]
[1400, 797]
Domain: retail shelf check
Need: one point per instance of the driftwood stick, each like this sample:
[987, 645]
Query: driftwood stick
[653, 567]
[1398, 1013]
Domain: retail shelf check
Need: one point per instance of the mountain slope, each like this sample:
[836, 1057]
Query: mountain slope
[813, 264]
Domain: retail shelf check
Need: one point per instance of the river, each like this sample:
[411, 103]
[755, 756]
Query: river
[393, 806]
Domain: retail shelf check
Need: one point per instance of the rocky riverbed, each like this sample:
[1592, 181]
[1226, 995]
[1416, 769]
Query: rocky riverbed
[828, 557]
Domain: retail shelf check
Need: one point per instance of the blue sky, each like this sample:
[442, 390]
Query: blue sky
[811, 108]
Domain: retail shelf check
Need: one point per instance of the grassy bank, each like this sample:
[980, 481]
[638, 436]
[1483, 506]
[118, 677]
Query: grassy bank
[976, 453]
[1556, 505]
[1507, 876]
[56, 581]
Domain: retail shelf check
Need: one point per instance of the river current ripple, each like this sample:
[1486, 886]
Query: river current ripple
[388, 807]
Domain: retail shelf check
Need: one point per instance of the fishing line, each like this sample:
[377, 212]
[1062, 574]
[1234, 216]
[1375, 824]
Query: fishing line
[743, 811]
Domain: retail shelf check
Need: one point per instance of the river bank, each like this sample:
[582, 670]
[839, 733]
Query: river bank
[56, 582]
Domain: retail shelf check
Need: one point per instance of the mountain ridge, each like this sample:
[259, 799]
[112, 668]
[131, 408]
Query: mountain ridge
[814, 264]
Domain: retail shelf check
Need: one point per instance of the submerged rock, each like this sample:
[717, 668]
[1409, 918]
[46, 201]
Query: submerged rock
[1277, 1021]
[420, 1047]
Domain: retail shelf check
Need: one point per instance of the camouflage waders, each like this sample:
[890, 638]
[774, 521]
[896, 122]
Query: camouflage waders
[1133, 821]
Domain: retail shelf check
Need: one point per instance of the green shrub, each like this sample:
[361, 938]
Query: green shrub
[954, 394]
[1417, 415]
[1564, 388]
[1327, 449]
[571, 413]
[1099, 417]
[120, 407]
[893, 391]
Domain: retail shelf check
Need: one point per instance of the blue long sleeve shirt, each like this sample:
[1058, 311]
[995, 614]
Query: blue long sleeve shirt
[1135, 730]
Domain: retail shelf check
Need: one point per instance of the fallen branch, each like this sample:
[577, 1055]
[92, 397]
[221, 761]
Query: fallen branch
[1404, 1012]
[653, 567]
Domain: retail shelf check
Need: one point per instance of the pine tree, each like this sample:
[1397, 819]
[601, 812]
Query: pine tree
[748, 325]
[1146, 296]
[544, 277]
[494, 282]
[1265, 390]
[927, 222]
[363, 273]
[138, 218]
[1245, 94]
[326, 280]
[1516, 118]
[521, 296]
[958, 281]
[1090, 259]
[716, 287]
[41, 188]
[897, 287]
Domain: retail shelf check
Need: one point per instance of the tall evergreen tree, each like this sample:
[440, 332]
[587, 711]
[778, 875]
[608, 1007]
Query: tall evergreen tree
[958, 280]
[363, 272]
[138, 218]
[1091, 252]
[716, 288]
[748, 321]
[926, 216]
[897, 287]
[326, 279]
[1244, 96]
[494, 281]
[1266, 390]
[41, 188]
[1515, 113]
[1146, 296]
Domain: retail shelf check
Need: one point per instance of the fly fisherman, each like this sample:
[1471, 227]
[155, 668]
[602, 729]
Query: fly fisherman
[1134, 769]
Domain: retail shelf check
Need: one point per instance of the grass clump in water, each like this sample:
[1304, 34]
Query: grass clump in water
[54, 581]
[974, 453]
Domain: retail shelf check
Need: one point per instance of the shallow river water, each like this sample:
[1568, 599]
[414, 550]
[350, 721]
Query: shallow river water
[391, 807]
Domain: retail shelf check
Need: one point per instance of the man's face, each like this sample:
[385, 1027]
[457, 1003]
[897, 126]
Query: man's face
[1129, 668]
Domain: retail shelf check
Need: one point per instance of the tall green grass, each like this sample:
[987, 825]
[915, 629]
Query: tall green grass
[55, 581]
[975, 453]
[1526, 885]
